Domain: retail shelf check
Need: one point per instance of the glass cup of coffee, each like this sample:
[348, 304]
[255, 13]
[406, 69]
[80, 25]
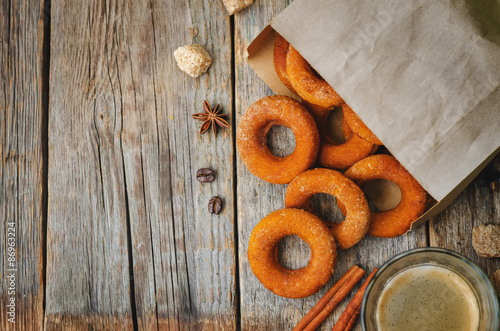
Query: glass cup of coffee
[430, 289]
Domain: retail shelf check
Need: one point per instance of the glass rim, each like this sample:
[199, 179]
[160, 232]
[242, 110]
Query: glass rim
[440, 250]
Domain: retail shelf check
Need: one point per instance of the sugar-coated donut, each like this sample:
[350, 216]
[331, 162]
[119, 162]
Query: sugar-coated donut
[339, 156]
[357, 221]
[251, 139]
[263, 257]
[307, 83]
[358, 126]
[280, 51]
[414, 198]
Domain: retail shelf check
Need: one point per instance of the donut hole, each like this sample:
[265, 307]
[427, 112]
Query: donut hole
[293, 252]
[325, 207]
[332, 129]
[382, 194]
[280, 140]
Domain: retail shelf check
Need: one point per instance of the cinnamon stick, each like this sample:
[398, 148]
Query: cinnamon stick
[326, 298]
[333, 297]
[353, 310]
[353, 319]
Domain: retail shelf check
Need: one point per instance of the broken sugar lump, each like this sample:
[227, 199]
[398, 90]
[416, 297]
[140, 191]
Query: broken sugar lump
[192, 59]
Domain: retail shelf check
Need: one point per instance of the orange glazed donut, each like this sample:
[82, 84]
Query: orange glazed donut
[251, 139]
[357, 221]
[414, 198]
[308, 84]
[358, 126]
[339, 156]
[280, 50]
[263, 257]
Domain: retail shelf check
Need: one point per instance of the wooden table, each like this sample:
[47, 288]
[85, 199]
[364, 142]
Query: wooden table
[99, 154]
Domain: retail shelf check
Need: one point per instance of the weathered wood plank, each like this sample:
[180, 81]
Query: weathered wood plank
[261, 309]
[478, 204]
[129, 60]
[21, 211]
[196, 249]
[133, 104]
[88, 280]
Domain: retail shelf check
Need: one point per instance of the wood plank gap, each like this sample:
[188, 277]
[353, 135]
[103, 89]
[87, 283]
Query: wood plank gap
[133, 307]
[129, 244]
[150, 229]
[45, 142]
[175, 254]
[235, 174]
[158, 165]
[427, 232]
[189, 157]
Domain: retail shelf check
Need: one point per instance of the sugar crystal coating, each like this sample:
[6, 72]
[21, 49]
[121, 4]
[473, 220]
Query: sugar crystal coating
[351, 230]
[414, 198]
[263, 260]
[251, 138]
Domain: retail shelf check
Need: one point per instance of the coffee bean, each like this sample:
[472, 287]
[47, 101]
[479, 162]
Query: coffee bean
[215, 205]
[205, 175]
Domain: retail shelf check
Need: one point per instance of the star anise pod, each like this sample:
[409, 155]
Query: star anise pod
[211, 118]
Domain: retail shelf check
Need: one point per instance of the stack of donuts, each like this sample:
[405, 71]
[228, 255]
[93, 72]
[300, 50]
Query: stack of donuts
[341, 170]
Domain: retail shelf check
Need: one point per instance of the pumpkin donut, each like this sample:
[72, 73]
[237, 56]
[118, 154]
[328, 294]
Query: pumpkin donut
[251, 139]
[263, 257]
[332, 154]
[357, 221]
[414, 198]
[308, 84]
[280, 50]
[358, 126]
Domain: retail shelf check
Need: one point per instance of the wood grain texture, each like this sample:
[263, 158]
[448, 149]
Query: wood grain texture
[261, 309]
[197, 248]
[478, 204]
[130, 242]
[125, 155]
[21, 211]
[88, 279]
